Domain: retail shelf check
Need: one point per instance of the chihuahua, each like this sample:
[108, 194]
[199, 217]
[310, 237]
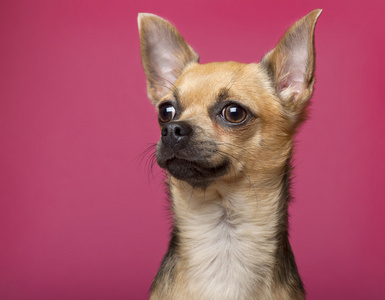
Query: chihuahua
[226, 143]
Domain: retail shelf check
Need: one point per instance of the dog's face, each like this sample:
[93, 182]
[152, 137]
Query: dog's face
[220, 121]
[212, 121]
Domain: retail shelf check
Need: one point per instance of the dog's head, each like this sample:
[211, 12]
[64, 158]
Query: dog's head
[220, 121]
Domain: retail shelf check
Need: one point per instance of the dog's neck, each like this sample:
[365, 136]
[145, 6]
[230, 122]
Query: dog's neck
[228, 233]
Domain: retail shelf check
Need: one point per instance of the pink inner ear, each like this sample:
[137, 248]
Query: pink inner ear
[165, 54]
[166, 62]
[295, 69]
[163, 61]
[291, 62]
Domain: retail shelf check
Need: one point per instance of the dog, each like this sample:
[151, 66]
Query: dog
[226, 143]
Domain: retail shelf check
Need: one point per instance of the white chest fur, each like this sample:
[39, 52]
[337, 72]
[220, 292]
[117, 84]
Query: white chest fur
[228, 254]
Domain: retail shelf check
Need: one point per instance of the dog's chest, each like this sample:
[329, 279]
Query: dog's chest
[224, 256]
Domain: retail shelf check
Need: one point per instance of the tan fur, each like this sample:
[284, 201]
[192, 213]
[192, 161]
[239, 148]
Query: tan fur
[227, 232]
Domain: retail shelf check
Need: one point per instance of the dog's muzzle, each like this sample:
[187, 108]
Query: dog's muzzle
[188, 159]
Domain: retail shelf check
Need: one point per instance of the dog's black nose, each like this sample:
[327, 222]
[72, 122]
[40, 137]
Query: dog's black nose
[176, 133]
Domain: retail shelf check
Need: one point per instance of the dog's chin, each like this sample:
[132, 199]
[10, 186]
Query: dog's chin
[197, 174]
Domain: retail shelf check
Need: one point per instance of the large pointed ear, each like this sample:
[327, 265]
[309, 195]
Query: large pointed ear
[291, 63]
[164, 54]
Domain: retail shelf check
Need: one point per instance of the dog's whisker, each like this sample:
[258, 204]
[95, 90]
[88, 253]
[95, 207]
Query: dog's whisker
[173, 87]
[191, 196]
[234, 78]
[234, 146]
[149, 156]
[240, 171]
[240, 154]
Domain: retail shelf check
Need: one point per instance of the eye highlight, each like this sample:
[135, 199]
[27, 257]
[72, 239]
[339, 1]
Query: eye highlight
[166, 113]
[234, 113]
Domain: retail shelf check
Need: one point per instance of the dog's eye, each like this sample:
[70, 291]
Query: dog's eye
[166, 113]
[234, 113]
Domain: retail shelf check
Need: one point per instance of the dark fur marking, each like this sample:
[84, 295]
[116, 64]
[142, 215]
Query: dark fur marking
[166, 272]
[286, 271]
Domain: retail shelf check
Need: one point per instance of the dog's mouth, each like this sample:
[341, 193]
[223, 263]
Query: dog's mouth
[199, 174]
[187, 158]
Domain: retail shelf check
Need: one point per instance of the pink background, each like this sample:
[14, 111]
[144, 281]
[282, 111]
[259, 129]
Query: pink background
[82, 218]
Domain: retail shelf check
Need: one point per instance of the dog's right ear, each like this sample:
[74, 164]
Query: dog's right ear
[291, 65]
[164, 54]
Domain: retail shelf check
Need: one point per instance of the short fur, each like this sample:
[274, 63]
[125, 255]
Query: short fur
[229, 182]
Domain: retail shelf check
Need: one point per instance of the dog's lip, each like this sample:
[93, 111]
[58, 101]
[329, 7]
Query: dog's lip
[202, 166]
[192, 163]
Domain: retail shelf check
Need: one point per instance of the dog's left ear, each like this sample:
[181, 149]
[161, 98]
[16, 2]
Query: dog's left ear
[290, 64]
